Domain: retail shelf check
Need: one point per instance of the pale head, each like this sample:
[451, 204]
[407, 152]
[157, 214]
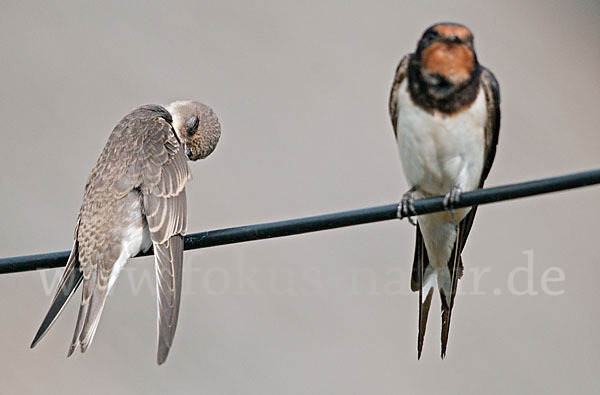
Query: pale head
[197, 127]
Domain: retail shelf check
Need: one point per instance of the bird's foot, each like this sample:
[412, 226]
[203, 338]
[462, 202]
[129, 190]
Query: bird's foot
[451, 199]
[406, 208]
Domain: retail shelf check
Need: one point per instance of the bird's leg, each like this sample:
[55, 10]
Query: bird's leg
[406, 208]
[451, 199]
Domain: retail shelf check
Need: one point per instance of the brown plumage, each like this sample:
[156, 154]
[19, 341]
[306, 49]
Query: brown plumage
[135, 199]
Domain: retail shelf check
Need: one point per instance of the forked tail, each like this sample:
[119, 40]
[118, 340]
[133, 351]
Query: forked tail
[425, 278]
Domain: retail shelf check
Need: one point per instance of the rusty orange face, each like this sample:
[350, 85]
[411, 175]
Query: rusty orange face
[455, 62]
[447, 30]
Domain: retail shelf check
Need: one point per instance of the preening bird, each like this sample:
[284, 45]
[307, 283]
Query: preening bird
[135, 199]
[445, 110]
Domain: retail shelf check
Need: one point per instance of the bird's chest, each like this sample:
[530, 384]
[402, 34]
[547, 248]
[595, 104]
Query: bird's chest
[441, 151]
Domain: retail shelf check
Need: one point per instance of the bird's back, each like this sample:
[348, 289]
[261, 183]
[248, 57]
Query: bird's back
[112, 203]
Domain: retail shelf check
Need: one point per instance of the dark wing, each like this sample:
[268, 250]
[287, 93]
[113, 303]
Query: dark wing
[163, 190]
[492, 128]
[70, 280]
[491, 132]
[401, 72]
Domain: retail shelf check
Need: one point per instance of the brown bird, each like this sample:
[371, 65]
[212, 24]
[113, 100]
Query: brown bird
[445, 110]
[135, 199]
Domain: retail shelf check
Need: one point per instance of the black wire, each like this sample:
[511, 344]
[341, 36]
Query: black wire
[316, 223]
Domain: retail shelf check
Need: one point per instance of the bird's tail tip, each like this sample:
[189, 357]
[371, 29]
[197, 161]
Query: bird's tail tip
[424, 306]
[36, 338]
[444, 281]
[447, 288]
[161, 355]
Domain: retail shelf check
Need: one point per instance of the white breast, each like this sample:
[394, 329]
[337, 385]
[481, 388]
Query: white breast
[439, 151]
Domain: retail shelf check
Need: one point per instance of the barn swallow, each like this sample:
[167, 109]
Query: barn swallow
[135, 199]
[445, 110]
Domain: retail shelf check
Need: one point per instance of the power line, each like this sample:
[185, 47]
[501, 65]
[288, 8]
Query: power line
[342, 219]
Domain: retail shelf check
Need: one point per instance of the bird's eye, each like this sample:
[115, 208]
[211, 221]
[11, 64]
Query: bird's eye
[192, 125]
[430, 35]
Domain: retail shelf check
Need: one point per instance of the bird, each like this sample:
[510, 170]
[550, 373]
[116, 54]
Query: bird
[135, 199]
[445, 112]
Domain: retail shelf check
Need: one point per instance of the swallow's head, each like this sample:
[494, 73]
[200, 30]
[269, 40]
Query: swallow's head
[446, 55]
[196, 126]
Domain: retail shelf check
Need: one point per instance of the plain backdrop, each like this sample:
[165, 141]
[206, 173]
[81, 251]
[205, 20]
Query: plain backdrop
[301, 89]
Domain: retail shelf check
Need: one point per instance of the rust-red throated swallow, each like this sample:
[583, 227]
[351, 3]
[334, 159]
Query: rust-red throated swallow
[135, 199]
[445, 110]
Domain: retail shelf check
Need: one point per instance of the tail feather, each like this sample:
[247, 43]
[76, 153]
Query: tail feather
[92, 303]
[446, 315]
[448, 289]
[423, 280]
[424, 306]
[425, 277]
[67, 286]
[94, 312]
[83, 307]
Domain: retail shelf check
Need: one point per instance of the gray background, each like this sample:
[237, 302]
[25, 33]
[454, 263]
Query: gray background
[301, 89]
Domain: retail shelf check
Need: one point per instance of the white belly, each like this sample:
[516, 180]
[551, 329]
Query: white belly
[135, 238]
[439, 152]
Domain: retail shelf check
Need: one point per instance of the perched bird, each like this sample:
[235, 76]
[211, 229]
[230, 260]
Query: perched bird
[445, 110]
[135, 199]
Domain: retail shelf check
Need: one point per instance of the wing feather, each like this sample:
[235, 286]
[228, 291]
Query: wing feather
[165, 174]
[492, 128]
[69, 282]
[399, 77]
[169, 265]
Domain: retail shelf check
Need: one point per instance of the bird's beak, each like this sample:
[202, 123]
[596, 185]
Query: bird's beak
[188, 152]
[453, 39]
